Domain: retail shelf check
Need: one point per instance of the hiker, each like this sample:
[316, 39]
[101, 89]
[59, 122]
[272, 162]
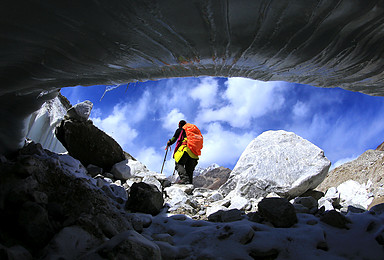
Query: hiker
[186, 152]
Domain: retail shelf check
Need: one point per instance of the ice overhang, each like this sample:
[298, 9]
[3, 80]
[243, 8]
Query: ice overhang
[47, 45]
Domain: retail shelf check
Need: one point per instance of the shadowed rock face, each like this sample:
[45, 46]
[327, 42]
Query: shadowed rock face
[48, 45]
[88, 144]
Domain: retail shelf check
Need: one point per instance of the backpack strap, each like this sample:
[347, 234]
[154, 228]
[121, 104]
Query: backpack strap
[179, 141]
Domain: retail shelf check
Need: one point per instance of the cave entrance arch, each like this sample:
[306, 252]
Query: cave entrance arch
[46, 46]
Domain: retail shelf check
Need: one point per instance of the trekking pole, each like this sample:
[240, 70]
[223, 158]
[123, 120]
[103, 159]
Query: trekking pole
[165, 158]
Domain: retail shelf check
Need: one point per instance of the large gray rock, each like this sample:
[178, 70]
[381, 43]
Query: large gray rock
[80, 111]
[280, 162]
[89, 144]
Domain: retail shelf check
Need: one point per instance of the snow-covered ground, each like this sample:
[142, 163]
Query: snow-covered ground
[180, 236]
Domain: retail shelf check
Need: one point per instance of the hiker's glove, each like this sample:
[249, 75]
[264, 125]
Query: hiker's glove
[168, 143]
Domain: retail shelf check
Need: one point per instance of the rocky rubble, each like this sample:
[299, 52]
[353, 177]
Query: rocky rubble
[44, 195]
[53, 207]
[364, 175]
[213, 178]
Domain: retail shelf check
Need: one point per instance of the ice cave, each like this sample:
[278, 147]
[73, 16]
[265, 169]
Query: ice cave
[53, 208]
[46, 46]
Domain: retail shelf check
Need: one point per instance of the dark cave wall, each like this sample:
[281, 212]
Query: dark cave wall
[49, 45]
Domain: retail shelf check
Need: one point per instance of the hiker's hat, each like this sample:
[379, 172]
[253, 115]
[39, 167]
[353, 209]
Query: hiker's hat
[182, 123]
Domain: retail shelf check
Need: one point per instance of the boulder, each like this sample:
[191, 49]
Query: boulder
[94, 170]
[308, 204]
[152, 180]
[145, 198]
[225, 216]
[335, 219]
[80, 111]
[278, 211]
[88, 144]
[121, 170]
[280, 162]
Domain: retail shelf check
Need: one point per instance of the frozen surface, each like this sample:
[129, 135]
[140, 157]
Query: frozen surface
[42, 124]
[308, 239]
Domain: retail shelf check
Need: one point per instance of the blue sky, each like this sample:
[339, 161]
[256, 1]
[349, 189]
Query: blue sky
[231, 112]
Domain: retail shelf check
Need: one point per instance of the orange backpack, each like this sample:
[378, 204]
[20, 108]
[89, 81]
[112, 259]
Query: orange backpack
[194, 138]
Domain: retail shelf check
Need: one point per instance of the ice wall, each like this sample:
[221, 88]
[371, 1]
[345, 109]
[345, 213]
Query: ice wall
[42, 124]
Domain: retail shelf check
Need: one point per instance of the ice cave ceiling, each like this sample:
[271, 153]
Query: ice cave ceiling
[46, 45]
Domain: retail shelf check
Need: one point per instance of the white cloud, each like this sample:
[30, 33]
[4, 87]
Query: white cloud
[154, 159]
[116, 125]
[150, 158]
[222, 146]
[300, 109]
[342, 161]
[120, 124]
[246, 100]
[96, 112]
[171, 120]
[205, 92]
[137, 112]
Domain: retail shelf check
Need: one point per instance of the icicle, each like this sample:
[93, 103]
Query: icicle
[127, 88]
[109, 88]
